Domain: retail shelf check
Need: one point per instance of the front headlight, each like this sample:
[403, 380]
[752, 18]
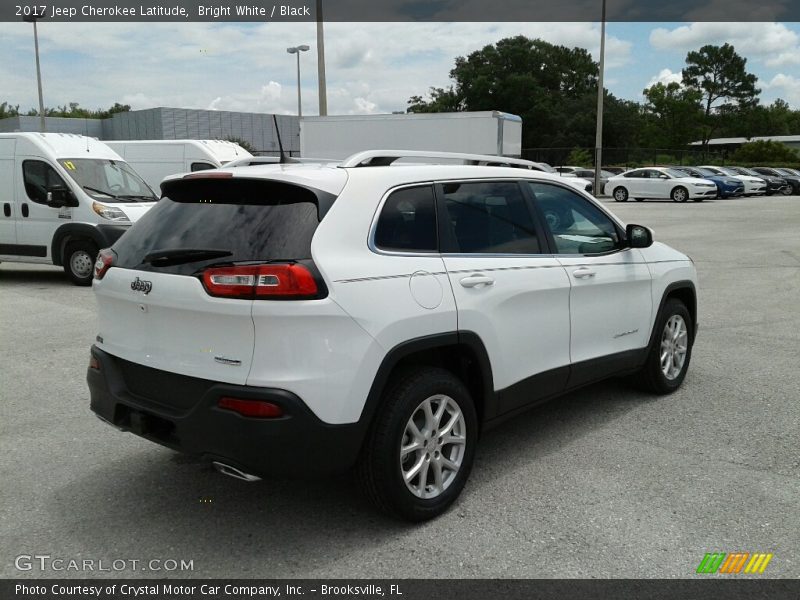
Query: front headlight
[111, 213]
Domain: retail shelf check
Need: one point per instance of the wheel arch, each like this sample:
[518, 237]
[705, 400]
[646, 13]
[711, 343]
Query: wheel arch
[684, 291]
[70, 232]
[462, 353]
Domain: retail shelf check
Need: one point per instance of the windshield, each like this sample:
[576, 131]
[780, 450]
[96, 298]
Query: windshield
[677, 173]
[108, 180]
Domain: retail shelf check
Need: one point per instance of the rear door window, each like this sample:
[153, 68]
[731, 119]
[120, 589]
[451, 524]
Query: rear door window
[489, 217]
[408, 221]
[222, 221]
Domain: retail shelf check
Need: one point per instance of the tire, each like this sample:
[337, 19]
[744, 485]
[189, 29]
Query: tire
[620, 194]
[787, 191]
[679, 194]
[79, 260]
[381, 471]
[665, 377]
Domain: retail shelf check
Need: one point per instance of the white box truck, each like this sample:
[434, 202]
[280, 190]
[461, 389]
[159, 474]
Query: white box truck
[486, 132]
[64, 197]
[156, 159]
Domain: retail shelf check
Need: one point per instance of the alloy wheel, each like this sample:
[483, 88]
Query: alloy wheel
[433, 446]
[674, 346]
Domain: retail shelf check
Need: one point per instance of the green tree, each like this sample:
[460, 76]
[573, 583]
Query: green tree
[547, 85]
[720, 75]
[6, 110]
[243, 143]
[765, 152]
[673, 113]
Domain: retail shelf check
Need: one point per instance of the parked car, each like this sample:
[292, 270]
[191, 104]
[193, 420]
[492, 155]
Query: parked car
[753, 185]
[660, 182]
[64, 198]
[727, 186]
[616, 170]
[792, 181]
[567, 170]
[302, 319]
[588, 174]
[775, 185]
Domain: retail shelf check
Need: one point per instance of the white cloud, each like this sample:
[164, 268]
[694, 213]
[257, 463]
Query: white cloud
[784, 86]
[773, 44]
[665, 76]
[371, 67]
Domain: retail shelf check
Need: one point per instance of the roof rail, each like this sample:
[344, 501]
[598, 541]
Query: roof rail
[383, 158]
[250, 161]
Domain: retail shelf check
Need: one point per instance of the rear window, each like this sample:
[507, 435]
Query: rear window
[221, 221]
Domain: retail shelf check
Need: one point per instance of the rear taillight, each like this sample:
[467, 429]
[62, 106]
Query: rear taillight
[251, 408]
[105, 259]
[261, 282]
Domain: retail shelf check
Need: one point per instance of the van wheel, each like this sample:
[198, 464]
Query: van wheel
[419, 452]
[79, 260]
[668, 359]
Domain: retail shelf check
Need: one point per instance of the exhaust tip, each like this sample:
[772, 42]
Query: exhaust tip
[234, 472]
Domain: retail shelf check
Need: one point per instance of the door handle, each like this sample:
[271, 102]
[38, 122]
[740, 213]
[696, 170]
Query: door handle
[583, 273]
[25, 209]
[7, 209]
[476, 280]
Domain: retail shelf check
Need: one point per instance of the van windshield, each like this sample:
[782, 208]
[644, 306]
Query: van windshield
[108, 180]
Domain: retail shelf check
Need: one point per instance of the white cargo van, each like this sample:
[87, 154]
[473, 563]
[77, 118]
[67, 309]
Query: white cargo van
[156, 159]
[63, 198]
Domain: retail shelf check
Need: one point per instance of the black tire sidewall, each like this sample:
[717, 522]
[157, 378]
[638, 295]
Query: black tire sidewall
[685, 191]
[404, 401]
[79, 246]
[620, 188]
[659, 382]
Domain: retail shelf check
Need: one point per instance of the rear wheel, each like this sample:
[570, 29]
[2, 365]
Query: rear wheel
[621, 194]
[679, 194]
[668, 359]
[419, 452]
[79, 260]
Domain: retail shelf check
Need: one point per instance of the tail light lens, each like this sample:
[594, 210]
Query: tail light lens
[251, 408]
[105, 259]
[261, 282]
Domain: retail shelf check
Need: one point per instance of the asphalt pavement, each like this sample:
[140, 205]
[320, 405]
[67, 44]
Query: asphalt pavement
[605, 482]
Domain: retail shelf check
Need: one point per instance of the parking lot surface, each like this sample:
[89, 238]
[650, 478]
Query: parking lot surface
[604, 482]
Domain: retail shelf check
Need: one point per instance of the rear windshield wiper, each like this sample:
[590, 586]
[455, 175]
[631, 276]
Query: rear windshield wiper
[179, 256]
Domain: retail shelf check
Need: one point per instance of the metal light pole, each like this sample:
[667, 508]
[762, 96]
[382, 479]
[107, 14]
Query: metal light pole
[323, 90]
[598, 142]
[32, 19]
[297, 50]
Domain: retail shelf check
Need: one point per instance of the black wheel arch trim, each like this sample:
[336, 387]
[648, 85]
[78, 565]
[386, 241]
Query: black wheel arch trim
[102, 235]
[430, 342]
[672, 287]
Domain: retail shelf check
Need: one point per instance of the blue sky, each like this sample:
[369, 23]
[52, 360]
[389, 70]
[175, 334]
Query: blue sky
[370, 67]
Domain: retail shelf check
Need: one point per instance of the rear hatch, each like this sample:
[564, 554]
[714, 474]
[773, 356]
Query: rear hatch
[158, 304]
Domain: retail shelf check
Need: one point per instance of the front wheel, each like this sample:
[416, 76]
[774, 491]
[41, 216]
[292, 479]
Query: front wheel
[419, 452]
[679, 194]
[668, 358]
[787, 191]
[79, 260]
[621, 194]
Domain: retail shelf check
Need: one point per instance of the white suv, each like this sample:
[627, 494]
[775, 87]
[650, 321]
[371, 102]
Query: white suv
[308, 318]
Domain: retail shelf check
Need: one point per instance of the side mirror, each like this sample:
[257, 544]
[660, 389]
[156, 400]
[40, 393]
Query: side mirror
[662, 176]
[638, 236]
[60, 197]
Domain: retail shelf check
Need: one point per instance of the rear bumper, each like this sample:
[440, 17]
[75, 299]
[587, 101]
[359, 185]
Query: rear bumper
[297, 444]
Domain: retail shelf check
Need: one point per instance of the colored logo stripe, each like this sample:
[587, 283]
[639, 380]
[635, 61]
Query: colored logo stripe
[758, 563]
[711, 562]
[721, 562]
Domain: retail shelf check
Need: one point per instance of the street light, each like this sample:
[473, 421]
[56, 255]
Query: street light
[598, 143]
[323, 90]
[32, 18]
[297, 50]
